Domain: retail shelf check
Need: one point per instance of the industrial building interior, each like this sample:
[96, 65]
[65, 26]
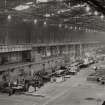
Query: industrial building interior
[52, 52]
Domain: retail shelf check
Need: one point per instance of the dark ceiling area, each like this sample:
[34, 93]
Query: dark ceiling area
[80, 14]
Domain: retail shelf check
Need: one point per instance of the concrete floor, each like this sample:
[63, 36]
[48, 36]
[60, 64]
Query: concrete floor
[74, 91]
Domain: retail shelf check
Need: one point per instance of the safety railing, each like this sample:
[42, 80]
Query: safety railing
[11, 48]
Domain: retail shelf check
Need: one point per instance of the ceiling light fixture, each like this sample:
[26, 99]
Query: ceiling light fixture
[52, 14]
[75, 27]
[89, 13]
[95, 13]
[35, 21]
[71, 27]
[60, 25]
[102, 16]
[9, 17]
[58, 12]
[87, 8]
[45, 23]
[47, 15]
[79, 28]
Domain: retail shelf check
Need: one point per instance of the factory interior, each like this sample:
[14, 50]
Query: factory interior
[52, 52]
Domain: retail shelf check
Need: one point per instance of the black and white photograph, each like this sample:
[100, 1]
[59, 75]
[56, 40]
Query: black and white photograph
[52, 52]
